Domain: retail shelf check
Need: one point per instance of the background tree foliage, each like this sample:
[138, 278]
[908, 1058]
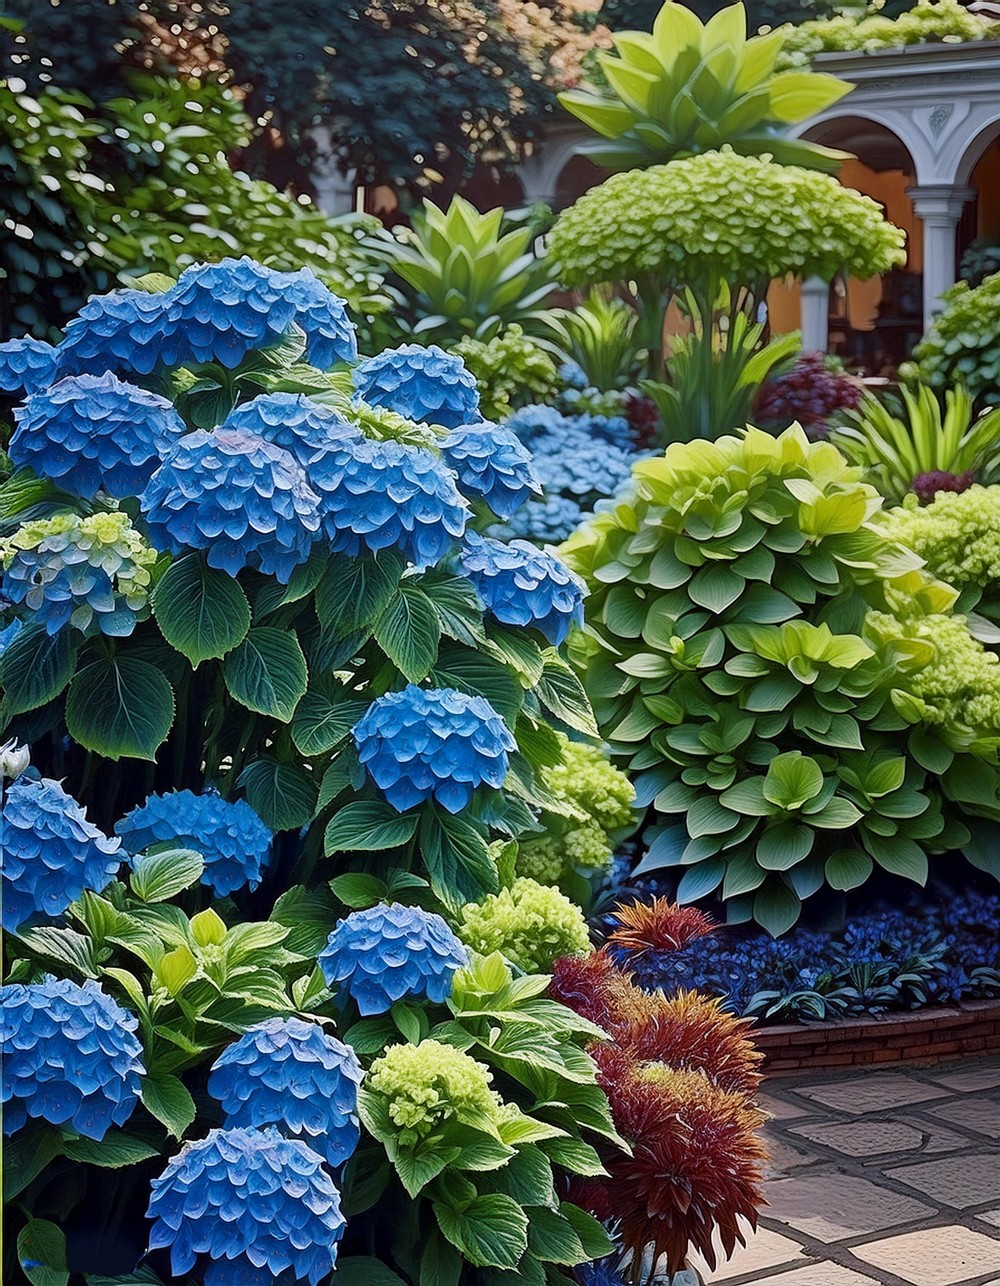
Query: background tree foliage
[638, 15]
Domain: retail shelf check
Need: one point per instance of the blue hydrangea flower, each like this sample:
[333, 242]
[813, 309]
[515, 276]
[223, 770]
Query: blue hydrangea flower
[573, 375]
[245, 501]
[70, 1057]
[91, 573]
[522, 585]
[94, 432]
[296, 424]
[120, 331]
[292, 1074]
[492, 462]
[427, 385]
[433, 742]
[27, 364]
[546, 522]
[322, 315]
[380, 495]
[390, 951]
[240, 1272]
[9, 634]
[234, 842]
[248, 1195]
[50, 852]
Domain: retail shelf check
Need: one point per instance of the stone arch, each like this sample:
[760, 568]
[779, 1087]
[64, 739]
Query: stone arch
[976, 146]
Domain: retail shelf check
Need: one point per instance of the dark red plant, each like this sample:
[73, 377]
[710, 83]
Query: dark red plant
[927, 485]
[660, 925]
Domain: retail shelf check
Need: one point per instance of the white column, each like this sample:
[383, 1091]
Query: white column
[939, 207]
[334, 189]
[815, 305]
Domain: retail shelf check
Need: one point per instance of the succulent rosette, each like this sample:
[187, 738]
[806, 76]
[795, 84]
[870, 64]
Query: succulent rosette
[91, 573]
[50, 852]
[493, 464]
[27, 365]
[294, 1075]
[389, 952]
[520, 584]
[248, 1196]
[424, 743]
[70, 1057]
[234, 842]
[91, 433]
[427, 385]
[244, 500]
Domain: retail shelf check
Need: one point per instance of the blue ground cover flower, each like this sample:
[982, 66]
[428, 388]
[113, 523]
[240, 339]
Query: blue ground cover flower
[425, 743]
[50, 853]
[292, 1074]
[381, 495]
[390, 951]
[245, 501]
[492, 463]
[70, 1057]
[123, 330]
[545, 522]
[519, 584]
[27, 364]
[427, 385]
[296, 424]
[234, 842]
[92, 573]
[248, 1195]
[89, 433]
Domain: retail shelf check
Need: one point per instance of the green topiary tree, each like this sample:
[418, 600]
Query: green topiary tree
[788, 686]
[963, 344]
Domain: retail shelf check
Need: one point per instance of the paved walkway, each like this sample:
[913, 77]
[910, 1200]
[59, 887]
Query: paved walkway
[880, 1179]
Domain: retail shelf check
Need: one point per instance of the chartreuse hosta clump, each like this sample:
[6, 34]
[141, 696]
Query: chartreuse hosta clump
[272, 960]
[782, 678]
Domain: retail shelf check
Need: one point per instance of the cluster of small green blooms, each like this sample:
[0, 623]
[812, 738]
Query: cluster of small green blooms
[720, 215]
[958, 535]
[584, 847]
[383, 425]
[511, 370]
[962, 345]
[928, 22]
[426, 1086]
[531, 924]
[957, 688]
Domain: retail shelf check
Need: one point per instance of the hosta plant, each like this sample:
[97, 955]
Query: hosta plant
[688, 87]
[783, 681]
[962, 345]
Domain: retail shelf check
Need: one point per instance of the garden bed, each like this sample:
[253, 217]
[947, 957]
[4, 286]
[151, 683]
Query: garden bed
[930, 1036]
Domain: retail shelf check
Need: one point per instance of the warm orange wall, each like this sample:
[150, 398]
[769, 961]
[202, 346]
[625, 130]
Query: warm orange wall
[986, 178]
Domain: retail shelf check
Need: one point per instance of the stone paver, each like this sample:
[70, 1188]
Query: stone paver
[879, 1179]
[934, 1256]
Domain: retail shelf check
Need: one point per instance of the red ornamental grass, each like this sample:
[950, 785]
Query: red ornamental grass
[660, 925]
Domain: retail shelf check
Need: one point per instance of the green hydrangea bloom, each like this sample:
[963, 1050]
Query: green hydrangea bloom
[531, 924]
[426, 1086]
[594, 788]
[958, 536]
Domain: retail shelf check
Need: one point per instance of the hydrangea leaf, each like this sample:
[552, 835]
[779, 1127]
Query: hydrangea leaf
[26, 1155]
[35, 668]
[368, 825]
[359, 890]
[363, 1270]
[283, 795]
[561, 692]
[409, 632]
[116, 1150]
[120, 707]
[309, 915]
[167, 1098]
[267, 672]
[354, 592]
[458, 859]
[492, 1231]
[323, 720]
[41, 1252]
[552, 1238]
[200, 610]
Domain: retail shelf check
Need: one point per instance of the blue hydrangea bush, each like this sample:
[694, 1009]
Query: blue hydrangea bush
[279, 715]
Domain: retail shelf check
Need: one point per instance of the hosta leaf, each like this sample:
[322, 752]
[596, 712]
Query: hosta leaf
[848, 869]
[776, 907]
[782, 846]
[898, 855]
[701, 880]
[167, 1098]
[491, 1232]
[157, 877]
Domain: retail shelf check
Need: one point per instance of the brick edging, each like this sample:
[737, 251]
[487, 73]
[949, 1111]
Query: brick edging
[927, 1035]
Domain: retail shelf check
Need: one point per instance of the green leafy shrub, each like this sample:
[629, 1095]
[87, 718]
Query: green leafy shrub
[102, 195]
[458, 273]
[981, 260]
[511, 370]
[962, 345]
[689, 87]
[898, 452]
[927, 22]
[765, 661]
[599, 335]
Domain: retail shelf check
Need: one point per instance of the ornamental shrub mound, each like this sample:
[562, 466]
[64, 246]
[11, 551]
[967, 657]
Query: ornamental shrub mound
[962, 345]
[781, 678]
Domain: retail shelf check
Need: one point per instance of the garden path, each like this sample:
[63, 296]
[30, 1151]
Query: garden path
[880, 1179]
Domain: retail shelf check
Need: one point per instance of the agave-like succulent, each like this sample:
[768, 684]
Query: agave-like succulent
[689, 87]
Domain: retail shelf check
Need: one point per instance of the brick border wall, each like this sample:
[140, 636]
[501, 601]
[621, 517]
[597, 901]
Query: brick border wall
[928, 1035]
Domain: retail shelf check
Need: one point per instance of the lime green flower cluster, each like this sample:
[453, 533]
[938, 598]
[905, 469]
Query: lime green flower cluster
[511, 370]
[427, 1086]
[586, 781]
[531, 924]
[79, 571]
[958, 536]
